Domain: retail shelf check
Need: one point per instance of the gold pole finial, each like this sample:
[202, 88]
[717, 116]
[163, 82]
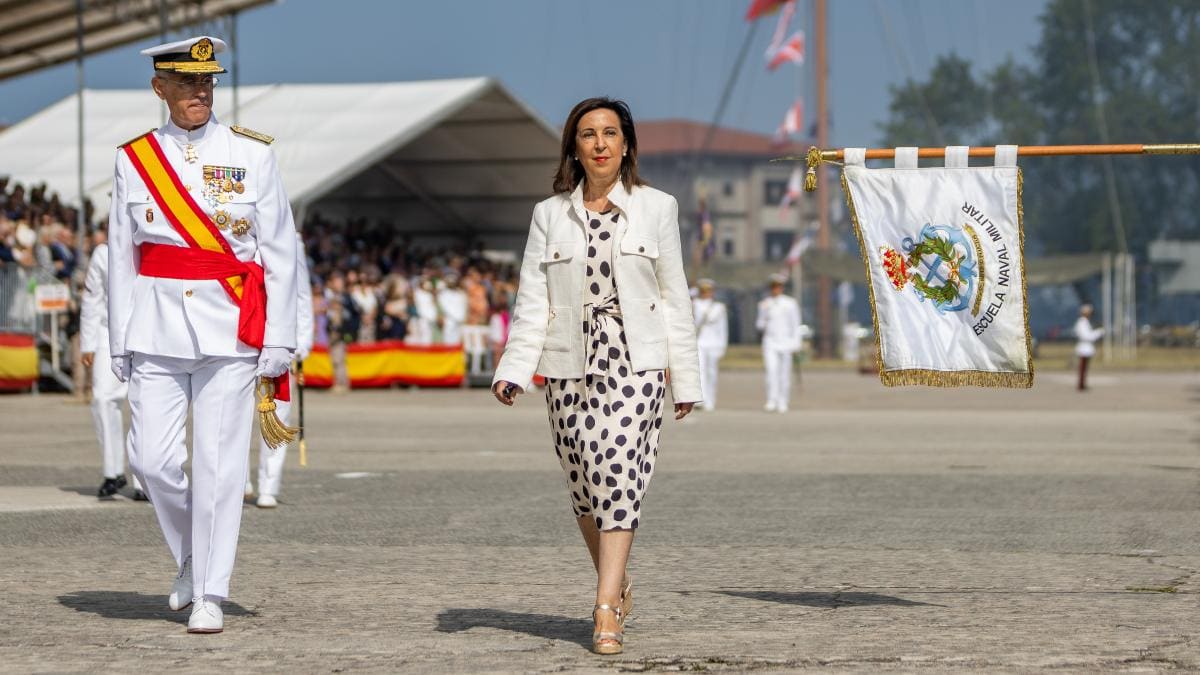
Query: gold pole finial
[810, 177]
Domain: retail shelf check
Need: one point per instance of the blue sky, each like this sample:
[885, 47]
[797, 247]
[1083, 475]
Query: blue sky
[667, 58]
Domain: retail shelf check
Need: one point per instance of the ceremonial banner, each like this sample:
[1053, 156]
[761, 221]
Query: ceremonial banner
[945, 271]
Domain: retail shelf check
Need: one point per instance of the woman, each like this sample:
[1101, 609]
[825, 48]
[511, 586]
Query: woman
[602, 311]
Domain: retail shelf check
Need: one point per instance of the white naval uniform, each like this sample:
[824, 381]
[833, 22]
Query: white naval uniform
[108, 393]
[452, 302]
[421, 327]
[712, 338]
[183, 338]
[270, 460]
[779, 321]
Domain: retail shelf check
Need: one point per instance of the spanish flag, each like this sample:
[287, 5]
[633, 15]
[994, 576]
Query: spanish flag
[18, 362]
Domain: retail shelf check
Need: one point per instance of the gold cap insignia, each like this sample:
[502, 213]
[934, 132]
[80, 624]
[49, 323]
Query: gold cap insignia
[202, 50]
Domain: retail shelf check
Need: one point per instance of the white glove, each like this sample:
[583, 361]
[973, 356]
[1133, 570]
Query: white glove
[122, 366]
[273, 362]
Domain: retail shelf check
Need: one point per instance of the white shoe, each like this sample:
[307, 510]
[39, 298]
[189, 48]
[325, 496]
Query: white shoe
[181, 590]
[770, 407]
[266, 502]
[207, 617]
[782, 409]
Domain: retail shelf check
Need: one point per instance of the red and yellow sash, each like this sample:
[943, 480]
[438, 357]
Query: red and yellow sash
[208, 255]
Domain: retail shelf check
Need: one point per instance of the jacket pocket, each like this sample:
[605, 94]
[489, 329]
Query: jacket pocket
[558, 252]
[644, 320]
[559, 327]
[645, 247]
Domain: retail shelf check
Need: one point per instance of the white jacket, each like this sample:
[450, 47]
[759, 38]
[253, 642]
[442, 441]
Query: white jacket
[190, 319]
[547, 329]
[93, 311]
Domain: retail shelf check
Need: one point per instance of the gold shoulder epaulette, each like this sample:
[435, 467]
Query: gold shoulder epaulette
[250, 133]
[134, 139]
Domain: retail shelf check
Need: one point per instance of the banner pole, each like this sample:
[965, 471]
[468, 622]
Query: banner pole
[817, 156]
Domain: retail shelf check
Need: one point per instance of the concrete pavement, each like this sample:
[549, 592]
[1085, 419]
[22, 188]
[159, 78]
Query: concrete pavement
[868, 529]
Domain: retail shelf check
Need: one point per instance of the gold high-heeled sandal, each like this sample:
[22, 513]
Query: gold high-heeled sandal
[609, 642]
[626, 599]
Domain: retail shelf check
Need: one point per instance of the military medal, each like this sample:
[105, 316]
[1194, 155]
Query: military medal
[221, 219]
[242, 226]
[238, 176]
[149, 215]
[227, 185]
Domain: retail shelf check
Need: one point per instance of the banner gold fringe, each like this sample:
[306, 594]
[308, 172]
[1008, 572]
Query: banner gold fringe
[274, 432]
[955, 378]
[946, 378]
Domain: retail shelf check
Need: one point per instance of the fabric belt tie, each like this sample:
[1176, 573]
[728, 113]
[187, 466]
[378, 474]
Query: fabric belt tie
[177, 262]
[599, 316]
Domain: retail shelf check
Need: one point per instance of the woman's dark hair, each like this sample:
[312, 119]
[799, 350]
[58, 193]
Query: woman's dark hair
[570, 170]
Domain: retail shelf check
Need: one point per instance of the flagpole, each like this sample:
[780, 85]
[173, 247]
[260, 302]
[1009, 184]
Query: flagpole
[825, 332]
[817, 156]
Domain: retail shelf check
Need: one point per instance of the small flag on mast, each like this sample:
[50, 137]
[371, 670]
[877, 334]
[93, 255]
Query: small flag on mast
[793, 122]
[795, 188]
[792, 50]
[760, 8]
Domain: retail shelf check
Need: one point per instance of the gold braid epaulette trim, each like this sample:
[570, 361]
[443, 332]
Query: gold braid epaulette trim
[135, 138]
[250, 133]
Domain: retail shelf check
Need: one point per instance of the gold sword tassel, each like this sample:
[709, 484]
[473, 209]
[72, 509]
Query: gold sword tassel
[274, 432]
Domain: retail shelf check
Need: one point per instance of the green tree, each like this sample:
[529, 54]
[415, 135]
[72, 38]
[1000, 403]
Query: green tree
[1147, 64]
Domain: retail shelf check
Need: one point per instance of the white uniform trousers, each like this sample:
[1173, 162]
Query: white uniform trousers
[709, 360]
[202, 517]
[778, 364]
[108, 393]
[270, 460]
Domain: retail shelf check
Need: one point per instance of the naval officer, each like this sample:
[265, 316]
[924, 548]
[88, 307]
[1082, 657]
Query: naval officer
[202, 302]
[712, 338]
[108, 393]
[779, 321]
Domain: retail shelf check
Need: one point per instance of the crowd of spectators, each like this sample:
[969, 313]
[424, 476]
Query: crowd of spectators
[37, 243]
[371, 283]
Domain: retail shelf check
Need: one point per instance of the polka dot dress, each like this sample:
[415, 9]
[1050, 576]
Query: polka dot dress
[606, 425]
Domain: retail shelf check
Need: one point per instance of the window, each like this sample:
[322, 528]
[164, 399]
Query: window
[773, 191]
[727, 248]
[776, 245]
[727, 190]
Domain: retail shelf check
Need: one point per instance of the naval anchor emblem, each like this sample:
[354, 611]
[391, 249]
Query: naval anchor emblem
[942, 264]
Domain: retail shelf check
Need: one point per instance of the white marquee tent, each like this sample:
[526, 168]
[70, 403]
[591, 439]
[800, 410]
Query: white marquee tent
[443, 158]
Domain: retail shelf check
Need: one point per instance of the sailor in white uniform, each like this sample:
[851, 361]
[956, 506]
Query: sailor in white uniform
[452, 309]
[712, 338]
[108, 393]
[270, 460]
[202, 302]
[779, 322]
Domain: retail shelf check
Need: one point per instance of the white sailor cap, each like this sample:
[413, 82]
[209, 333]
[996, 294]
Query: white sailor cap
[778, 279]
[706, 283]
[193, 55]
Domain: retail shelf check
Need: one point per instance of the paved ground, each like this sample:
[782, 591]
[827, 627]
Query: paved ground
[869, 529]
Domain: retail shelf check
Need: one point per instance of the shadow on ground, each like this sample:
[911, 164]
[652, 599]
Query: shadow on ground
[137, 606]
[831, 600]
[550, 627]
